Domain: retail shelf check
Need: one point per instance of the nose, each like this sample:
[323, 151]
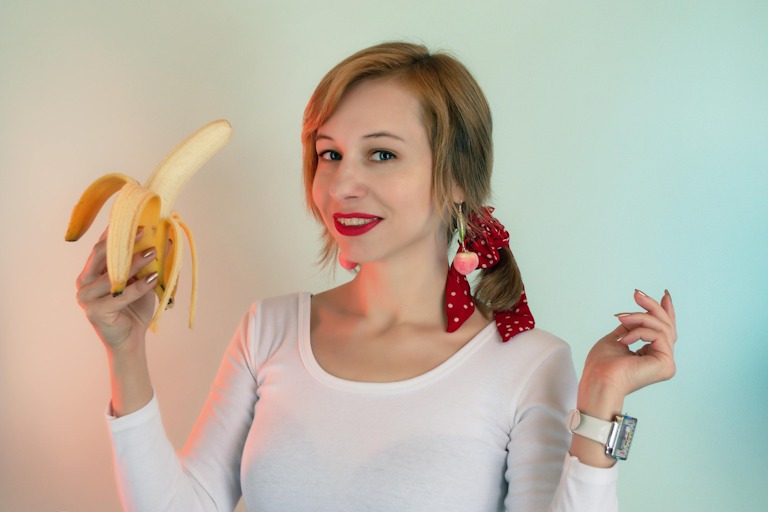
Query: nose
[348, 180]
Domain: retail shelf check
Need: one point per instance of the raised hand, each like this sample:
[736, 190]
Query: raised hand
[120, 321]
[613, 370]
[613, 364]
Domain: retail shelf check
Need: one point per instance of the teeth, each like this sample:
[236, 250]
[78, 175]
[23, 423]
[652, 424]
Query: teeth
[354, 221]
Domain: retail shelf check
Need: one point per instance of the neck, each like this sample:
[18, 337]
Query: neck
[389, 294]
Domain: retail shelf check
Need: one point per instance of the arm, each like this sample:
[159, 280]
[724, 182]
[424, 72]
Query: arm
[612, 371]
[121, 324]
[206, 473]
[540, 473]
[150, 476]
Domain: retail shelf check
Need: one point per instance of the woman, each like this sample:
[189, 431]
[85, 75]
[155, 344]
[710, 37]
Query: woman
[395, 391]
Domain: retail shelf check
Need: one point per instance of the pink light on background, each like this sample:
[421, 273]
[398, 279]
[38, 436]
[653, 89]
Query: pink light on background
[635, 134]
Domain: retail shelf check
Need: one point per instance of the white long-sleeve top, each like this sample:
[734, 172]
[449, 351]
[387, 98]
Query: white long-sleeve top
[484, 431]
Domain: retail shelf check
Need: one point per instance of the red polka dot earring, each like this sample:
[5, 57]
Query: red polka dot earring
[465, 262]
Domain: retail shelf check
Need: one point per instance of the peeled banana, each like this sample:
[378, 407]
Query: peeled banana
[150, 207]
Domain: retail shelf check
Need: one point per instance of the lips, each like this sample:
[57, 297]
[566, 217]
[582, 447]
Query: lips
[355, 224]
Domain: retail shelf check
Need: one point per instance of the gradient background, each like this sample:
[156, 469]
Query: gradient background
[632, 152]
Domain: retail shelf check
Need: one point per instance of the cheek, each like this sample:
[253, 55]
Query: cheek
[319, 192]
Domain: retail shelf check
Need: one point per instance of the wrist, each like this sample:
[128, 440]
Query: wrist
[130, 347]
[614, 437]
[599, 400]
[129, 378]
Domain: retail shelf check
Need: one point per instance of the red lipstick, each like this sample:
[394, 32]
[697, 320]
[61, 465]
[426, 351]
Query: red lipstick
[356, 229]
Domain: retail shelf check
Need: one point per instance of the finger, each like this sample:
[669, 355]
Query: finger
[632, 320]
[645, 350]
[649, 304]
[106, 311]
[98, 257]
[617, 334]
[654, 365]
[658, 340]
[102, 287]
[130, 294]
[658, 310]
[666, 303]
[96, 266]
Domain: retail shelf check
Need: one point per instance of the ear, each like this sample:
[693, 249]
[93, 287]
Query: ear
[457, 194]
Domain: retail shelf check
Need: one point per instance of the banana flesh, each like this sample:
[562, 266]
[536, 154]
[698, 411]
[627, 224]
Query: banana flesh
[150, 207]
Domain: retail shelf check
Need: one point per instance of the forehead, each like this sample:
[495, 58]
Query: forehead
[376, 105]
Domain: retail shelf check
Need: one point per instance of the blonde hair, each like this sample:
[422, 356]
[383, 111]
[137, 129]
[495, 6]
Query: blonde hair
[459, 127]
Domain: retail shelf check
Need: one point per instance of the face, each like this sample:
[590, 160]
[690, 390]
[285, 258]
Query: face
[373, 184]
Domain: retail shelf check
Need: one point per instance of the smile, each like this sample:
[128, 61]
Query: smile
[355, 221]
[355, 224]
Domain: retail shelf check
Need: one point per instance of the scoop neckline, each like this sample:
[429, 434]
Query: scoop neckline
[321, 375]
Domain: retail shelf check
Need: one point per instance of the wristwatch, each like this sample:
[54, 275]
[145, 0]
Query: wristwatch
[615, 435]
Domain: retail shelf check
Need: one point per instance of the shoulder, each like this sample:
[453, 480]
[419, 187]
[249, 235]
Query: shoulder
[529, 356]
[548, 355]
[279, 305]
[536, 345]
[272, 321]
[278, 311]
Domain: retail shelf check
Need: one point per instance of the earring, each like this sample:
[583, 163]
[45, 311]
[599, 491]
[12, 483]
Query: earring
[346, 264]
[465, 262]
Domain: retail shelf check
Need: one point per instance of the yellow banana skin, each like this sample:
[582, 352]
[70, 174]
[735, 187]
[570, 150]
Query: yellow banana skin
[91, 201]
[150, 207]
[134, 207]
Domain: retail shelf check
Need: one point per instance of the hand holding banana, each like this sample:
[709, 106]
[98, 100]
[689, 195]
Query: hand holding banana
[150, 207]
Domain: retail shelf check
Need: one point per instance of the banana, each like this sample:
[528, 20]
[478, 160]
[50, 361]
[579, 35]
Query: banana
[150, 206]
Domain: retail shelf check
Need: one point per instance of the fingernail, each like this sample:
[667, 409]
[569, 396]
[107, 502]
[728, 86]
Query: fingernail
[619, 338]
[640, 292]
[148, 253]
[619, 315]
[151, 277]
[666, 292]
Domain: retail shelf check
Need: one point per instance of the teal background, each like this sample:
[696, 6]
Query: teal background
[631, 152]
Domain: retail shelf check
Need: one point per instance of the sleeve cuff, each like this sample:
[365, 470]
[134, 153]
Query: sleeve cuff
[584, 473]
[146, 414]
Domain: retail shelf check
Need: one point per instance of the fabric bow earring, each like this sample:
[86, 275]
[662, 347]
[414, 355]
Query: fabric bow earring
[486, 241]
[465, 262]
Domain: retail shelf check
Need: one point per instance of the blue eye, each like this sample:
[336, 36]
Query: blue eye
[381, 156]
[329, 154]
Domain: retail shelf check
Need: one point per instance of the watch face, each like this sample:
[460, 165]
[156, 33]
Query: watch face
[624, 438]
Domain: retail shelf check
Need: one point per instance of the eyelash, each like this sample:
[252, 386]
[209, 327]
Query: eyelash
[327, 153]
[382, 152]
[332, 155]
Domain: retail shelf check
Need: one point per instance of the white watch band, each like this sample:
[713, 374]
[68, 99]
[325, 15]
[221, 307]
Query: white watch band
[589, 427]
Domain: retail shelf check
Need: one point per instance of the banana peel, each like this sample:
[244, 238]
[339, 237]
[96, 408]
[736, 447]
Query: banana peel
[150, 207]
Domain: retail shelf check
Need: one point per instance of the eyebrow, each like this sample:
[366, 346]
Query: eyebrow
[377, 135]
[374, 135]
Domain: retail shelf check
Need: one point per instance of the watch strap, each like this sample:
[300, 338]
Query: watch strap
[616, 436]
[589, 427]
